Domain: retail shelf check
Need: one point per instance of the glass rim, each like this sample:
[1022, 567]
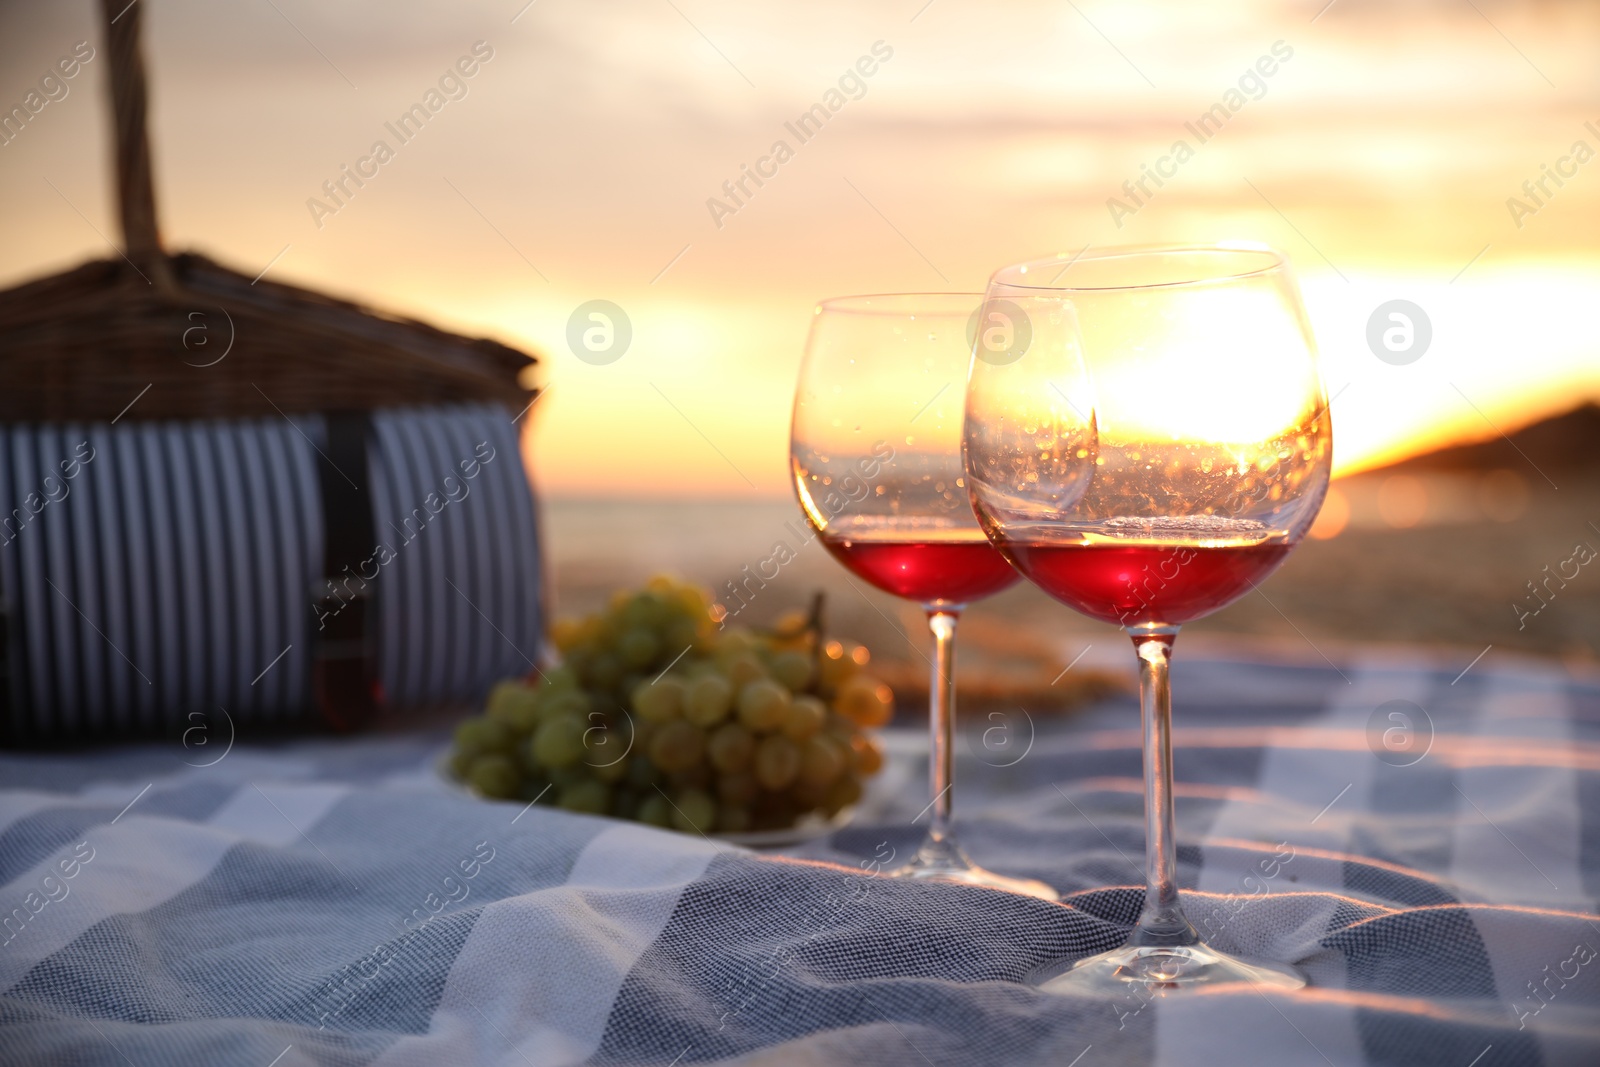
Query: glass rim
[860, 304]
[1274, 261]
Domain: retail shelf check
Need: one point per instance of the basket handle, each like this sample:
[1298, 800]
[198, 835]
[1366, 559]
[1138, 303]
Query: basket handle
[136, 201]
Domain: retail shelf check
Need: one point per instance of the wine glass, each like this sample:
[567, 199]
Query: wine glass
[876, 455]
[1167, 485]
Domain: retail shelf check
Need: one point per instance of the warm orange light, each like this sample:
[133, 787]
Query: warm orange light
[1333, 518]
[1503, 495]
[1402, 501]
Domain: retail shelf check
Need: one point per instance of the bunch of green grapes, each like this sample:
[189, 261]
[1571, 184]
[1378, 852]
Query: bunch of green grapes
[658, 716]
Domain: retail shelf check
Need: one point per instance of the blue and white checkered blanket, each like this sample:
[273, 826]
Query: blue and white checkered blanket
[331, 902]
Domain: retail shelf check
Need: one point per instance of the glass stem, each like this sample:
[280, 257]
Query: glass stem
[1162, 922]
[941, 719]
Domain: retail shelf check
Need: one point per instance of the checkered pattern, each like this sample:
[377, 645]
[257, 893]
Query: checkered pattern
[333, 903]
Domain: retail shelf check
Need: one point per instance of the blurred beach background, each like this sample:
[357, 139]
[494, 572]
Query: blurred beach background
[1397, 151]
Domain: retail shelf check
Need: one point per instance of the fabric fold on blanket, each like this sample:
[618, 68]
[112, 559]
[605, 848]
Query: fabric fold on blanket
[334, 902]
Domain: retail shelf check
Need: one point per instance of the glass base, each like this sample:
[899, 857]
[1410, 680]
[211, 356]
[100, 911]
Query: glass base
[943, 861]
[1152, 971]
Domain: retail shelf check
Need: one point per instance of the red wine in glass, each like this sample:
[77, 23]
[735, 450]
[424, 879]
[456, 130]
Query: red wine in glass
[1134, 584]
[875, 449]
[933, 566]
[1148, 444]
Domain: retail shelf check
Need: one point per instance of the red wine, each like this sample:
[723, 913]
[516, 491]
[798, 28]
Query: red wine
[1130, 584]
[953, 566]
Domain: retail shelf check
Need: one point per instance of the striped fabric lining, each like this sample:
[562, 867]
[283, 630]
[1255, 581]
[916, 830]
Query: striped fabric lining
[331, 903]
[172, 575]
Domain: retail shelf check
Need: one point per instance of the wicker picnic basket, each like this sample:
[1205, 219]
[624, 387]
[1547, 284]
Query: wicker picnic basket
[223, 495]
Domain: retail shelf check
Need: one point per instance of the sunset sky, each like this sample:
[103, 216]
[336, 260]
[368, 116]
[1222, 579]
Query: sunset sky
[577, 161]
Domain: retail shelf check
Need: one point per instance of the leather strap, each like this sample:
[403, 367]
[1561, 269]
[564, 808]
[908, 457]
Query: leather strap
[343, 679]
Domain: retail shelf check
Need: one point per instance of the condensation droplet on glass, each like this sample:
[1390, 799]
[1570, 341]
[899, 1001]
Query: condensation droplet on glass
[910, 440]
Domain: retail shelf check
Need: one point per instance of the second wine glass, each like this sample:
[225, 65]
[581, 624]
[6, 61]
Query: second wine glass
[876, 456]
[1173, 487]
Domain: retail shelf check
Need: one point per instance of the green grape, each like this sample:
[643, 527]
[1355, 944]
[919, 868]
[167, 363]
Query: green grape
[821, 762]
[696, 777]
[647, 610]
[745, 668]
[605, 670]
[763, 704]
[627, 684]
[642, 773]
[516, 704]
[694, 812]
[495, 776]
[575, 703]
[808, 797]
[731, 747]
[610, 768]
[738, 788]
[561, 679]
[732, 819]
[677, 746]
[460, 763]
[639, 647]
[558, 742]
[842, 794]
[479, 736]
[777, 762]
[865, 701]
[737, 640]
[709, 697]
[793, 669]
[604, 737]
[562, 777]
[590, 796]
[867, 755]
[691, 601]
[714, 700]
[805, 717]
[655, 810]
[577, 661]
[681, 633]
[660, 701]
[842, 734]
